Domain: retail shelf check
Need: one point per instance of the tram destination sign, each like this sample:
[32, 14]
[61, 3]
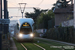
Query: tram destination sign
[4, 21]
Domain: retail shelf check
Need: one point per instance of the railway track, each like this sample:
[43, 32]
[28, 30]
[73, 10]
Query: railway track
[23, 46]
[62, 48]
[33, 44]
[53, 45]
[41, 45]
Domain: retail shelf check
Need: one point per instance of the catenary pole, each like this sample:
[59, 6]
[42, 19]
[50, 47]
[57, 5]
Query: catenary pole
[74, 13]
[1, 28]
[22, 11]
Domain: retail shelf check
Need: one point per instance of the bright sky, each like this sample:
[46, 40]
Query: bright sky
[32, 3]
[42, 4]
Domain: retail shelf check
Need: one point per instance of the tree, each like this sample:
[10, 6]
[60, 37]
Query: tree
[61, 4]
[34, 15]
[44, 18]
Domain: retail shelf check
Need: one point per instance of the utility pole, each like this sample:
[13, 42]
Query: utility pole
[74, 20]
[5, 17]
[74, 13]
[22, 10]
[5, 21]
[0, 25]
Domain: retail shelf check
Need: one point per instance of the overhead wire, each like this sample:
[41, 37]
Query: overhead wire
[15, 6]
[22, 0]
[40, 3]
[18, 5]
[18, 11]
[12, 3]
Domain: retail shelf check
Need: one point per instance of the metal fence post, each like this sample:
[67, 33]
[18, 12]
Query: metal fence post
[1, 28]
[5, 17]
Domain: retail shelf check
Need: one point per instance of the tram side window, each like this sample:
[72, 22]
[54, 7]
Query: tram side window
[17, 26]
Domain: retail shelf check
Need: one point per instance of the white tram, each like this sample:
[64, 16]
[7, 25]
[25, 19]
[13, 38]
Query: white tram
[24, 29]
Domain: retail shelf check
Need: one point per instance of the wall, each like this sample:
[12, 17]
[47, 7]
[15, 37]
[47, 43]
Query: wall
[68, 23]
[59, 18]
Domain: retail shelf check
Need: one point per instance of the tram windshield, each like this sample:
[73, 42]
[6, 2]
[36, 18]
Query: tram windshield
[25, 30]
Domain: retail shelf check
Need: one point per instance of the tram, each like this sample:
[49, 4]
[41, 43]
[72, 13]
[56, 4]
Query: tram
[24, 29]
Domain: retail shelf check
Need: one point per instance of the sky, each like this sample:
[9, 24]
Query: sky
[32, 3]
[42, 4]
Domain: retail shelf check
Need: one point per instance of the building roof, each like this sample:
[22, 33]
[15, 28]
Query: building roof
[68, 9]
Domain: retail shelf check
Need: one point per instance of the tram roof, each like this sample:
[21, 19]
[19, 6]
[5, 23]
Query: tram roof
[28, 20]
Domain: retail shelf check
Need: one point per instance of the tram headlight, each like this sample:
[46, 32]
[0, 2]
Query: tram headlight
[20, 35]
[31, 35]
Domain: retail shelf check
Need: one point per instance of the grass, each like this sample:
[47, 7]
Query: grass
[47, 47]
[18, 45]
[42, 43]
[31, 46]
[52, 43]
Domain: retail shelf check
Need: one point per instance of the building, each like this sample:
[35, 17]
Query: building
[63, 14]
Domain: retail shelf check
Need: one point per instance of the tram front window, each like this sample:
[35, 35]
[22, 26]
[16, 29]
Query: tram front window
[25, 30]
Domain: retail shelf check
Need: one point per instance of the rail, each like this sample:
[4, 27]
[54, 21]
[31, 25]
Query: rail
[23, 46]
[39, 46]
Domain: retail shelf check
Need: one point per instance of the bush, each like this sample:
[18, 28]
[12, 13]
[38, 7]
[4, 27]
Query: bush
[63, 34]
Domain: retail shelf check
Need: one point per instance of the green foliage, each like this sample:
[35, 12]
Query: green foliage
[41, 17]
[35, 14]
[45, 17]
[18, 45]
[51, 23]
[60, 25]
[63, 34]
[70, 17]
